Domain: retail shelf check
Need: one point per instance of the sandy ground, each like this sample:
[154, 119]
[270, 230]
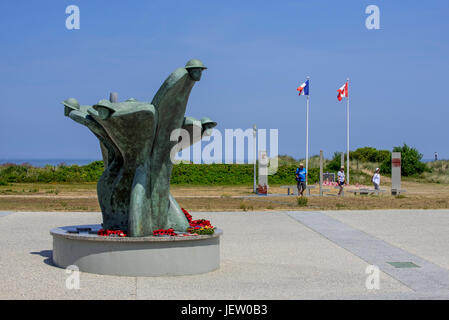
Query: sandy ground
[82, 197]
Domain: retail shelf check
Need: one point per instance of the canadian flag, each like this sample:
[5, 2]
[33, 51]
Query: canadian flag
[343, 92]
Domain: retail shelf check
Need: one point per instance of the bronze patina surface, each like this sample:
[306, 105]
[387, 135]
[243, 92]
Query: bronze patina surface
[136, 140]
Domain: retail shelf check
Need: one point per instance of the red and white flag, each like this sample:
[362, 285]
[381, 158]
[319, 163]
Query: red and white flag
[343, 92]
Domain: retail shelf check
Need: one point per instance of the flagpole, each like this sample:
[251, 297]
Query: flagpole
[255, 157]
[307, 135]
[347, 134]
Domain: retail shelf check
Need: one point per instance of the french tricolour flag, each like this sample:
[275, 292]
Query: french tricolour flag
[343, 92]
[304, 89]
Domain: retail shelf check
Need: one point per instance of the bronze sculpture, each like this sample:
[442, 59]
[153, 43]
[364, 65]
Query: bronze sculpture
[135, 139]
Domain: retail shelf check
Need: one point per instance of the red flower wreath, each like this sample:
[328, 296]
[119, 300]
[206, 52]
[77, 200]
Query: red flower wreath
[162, 232]
[192, 223]
[111, 233]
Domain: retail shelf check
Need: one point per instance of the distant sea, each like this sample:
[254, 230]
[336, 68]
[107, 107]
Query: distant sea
[81, 162]
[52, 162]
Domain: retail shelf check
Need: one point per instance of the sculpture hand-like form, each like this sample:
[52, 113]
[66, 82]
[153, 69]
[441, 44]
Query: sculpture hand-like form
[134, 190]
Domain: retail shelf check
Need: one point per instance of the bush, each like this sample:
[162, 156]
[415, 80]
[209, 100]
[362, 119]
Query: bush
[60, 173]
[233, 174]
[410, 162]
[369, 154]
[365, 154]
[302, 202]
[335, 163]
[193, 174]
[285, 160]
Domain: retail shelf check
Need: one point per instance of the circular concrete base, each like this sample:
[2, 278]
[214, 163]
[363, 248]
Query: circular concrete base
[143, 256]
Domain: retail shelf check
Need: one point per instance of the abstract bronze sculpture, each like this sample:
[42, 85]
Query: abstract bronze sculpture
[136, 140]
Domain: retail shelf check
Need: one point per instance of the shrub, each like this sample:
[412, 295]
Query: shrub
[410, 162]
[302, 201]
[232, 174]
[285, 160]
[335, 163]
[193, 174]
[369, 154]
[365, 154]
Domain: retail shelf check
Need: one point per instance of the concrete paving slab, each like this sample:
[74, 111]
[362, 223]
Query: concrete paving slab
[427, 278]
[264, 255]
[26, 270]
[269, 256]
[421, 232]
[4, 213]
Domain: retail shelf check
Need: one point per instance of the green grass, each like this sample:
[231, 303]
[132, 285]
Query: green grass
[208, 174]
[439, 172]
[182, 174]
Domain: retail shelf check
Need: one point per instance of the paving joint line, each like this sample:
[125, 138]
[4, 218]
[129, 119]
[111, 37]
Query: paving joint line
[427, 279]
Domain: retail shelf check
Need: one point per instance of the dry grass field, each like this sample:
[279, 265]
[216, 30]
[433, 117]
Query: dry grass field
[82, 197]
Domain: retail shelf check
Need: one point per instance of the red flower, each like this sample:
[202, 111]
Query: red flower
[114, 233]
[161, 232]
[200, 222]
[188, 216]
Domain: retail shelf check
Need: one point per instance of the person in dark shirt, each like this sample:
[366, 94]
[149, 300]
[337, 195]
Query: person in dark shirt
[301, 179]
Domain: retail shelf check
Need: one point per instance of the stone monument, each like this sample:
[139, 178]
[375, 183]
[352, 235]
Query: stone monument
[262, 188]
[395, 173]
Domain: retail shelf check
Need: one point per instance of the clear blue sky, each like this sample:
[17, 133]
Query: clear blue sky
[257, 52]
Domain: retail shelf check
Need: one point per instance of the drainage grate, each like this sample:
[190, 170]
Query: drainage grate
[401, 264]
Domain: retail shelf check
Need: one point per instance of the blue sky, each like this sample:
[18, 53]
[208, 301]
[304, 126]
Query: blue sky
[257, 52]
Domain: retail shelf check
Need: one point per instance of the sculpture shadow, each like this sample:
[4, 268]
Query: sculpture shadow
[48, 254]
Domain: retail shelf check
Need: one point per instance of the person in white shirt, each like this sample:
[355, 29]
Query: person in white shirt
[341, 179]
[376, 179]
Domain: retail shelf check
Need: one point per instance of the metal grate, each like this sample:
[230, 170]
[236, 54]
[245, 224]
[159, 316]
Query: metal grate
[405, 264]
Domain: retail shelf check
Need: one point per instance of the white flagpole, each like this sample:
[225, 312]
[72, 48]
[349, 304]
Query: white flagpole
[347, 133]
[255, 157]
[307, 137]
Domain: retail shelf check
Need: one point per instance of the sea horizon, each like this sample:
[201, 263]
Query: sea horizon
[52, 162]
[40, 163]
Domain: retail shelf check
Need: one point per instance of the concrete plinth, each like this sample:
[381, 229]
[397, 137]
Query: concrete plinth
[143, 256]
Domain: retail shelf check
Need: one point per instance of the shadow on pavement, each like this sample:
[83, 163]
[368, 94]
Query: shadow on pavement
[48, 254]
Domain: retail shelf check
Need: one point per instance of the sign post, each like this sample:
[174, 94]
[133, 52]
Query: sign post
[263, 173]
[395, 173]
[321, 172]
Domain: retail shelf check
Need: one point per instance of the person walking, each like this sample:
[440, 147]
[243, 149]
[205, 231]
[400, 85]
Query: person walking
[376, 179]
[341, 180]
[301, 179]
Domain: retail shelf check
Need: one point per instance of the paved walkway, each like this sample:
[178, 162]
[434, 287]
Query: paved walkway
[264, 255]
[420, 275]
